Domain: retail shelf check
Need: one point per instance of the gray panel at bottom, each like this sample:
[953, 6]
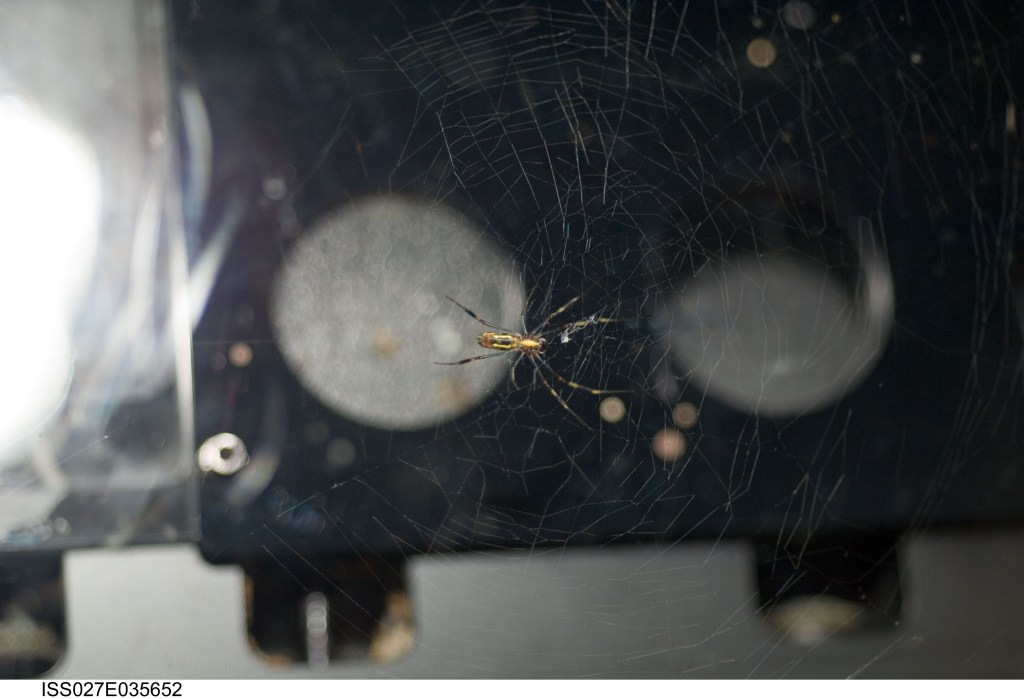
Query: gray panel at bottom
[688, 610]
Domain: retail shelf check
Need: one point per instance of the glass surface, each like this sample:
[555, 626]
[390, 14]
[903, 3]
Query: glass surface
[96, 419]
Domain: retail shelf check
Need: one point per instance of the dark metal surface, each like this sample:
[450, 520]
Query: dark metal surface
[349, 103]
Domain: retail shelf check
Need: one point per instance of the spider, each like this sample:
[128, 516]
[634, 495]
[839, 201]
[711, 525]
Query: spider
[532, 344]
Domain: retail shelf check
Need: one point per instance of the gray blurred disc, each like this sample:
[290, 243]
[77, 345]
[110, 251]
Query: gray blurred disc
[360, 313]
[777, 336]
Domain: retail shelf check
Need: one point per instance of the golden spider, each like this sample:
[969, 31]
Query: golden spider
[532, 344]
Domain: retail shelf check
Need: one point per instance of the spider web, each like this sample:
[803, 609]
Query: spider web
[803, 218]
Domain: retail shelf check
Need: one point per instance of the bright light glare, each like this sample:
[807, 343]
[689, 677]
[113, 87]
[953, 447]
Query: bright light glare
[49, 218]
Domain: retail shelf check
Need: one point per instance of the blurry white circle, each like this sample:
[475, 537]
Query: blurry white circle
[360, 313]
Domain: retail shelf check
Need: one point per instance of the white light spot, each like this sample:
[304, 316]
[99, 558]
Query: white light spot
[50, 185]
[274, 188]
[340, 452]
[761, 52]
[685, 415]
[669, 444]
[612, 409]
[799, 14]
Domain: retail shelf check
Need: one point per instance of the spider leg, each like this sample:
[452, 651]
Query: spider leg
[574, 385]
[526, 306]
[557, 311]
[470, 359]
[477, 318]
[561, 401]
[577, 324]
[515, 363]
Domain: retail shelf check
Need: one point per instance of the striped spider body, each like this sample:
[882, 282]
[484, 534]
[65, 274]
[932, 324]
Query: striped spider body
[530, 345]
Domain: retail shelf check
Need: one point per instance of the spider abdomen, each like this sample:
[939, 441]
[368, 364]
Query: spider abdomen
[504, 342]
